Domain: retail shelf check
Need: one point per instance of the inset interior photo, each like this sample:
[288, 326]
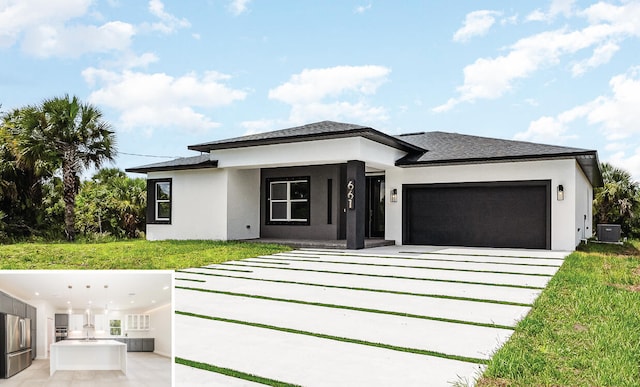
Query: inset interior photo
[86, 327]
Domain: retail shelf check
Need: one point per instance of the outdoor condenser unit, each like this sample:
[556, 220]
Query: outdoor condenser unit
[609, 232]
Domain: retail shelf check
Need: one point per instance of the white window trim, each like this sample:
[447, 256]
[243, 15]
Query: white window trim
[158, 201]
[288, 200]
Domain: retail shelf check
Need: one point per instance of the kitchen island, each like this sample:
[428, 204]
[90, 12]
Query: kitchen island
[82, 355]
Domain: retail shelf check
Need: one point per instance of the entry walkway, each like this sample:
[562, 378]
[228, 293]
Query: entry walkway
[396, 315]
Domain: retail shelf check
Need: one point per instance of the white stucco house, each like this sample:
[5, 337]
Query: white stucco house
[337, 181]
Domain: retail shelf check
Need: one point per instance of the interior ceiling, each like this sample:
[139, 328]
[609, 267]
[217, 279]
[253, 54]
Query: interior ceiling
[125, 290]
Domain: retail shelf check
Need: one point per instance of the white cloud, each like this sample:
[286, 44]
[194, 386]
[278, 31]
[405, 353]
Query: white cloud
[628, 162]
[556, 8]
[490, 78]
[335, 93]
[47, 41]
[168, 23]
[18, 16]
[238, 7]
[601, 55]
[362, 8]
[315, 84]
[261, 126]
[616, 115]
[476, 23]
[148, 101]
[43, 27]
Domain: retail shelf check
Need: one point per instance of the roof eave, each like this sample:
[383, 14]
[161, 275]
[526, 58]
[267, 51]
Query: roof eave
[368, 133]
[203, 165]
[588, 161]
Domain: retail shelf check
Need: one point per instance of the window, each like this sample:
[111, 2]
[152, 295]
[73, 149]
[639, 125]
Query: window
[115, 327]
[159, 195]
[288, 200]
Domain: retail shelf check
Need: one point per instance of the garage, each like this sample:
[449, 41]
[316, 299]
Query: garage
[513, 214]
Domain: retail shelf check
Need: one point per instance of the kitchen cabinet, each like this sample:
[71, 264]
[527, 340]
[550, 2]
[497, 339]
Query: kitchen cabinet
[75, 322]
[138, 345]
[19, 308]
[62, 320]
[148, 345]
[32, 314]
[138, 322]
[101, 322]
[6, 303]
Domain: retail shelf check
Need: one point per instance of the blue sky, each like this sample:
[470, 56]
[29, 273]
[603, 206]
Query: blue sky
[168, 74]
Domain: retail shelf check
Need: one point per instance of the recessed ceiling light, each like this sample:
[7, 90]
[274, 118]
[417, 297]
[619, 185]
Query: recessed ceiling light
[166, 287]
[153, 301]
[68, 302]
[37, 294]
[132, 301]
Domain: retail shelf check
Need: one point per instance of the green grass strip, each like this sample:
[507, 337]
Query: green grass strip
[346, 307]
[233, 373]
[346, 254]
[190, 279]
[236, 270]
[338, 338]
[359, 289]
[418, 279]
[314, 259]
[240, 264]
[401, 266]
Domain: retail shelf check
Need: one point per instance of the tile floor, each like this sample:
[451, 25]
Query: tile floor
[143, 369]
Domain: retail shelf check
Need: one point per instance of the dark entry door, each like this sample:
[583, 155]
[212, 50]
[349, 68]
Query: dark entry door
[374, 227]
[507, 214]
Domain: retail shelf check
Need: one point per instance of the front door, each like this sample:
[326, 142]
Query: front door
[374, 227]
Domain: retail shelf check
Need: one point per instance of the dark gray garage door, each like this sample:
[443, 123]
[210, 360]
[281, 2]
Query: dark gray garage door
[511, 214]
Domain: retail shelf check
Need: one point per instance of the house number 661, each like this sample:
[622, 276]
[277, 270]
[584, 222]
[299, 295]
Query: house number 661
[350, 195]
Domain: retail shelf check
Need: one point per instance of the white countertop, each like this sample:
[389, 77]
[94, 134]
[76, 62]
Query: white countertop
[88, 343]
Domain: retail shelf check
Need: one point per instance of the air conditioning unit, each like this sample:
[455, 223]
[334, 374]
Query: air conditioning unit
[609, 232]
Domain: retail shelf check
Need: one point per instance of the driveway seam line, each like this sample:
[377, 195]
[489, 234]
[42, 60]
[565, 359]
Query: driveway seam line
[316, 259]
[401, 266]
[411, 278]
[347, 307]
[338, 338]
[364, 289]
[233, 373]
[240, 264]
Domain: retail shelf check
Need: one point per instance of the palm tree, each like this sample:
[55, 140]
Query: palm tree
[75, 136]
[618, 199]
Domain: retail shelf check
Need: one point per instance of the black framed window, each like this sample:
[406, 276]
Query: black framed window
[288, 200]
[159, 201]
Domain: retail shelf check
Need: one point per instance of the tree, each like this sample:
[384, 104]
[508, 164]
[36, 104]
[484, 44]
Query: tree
[21, 181]
[71, 134]
[111, 202]
[618, 201]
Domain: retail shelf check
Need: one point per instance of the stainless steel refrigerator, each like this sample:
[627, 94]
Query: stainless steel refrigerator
[15, 340]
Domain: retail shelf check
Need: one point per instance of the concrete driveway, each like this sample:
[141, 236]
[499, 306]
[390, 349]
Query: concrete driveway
[387, 316]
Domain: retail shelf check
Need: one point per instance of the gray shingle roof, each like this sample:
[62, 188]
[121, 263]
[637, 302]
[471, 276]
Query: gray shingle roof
[315, 131]
[194, 162]
[450, 147]
[422, 148]
[454, 148]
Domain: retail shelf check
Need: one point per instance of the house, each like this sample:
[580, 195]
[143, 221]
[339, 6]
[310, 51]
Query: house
[338, 181]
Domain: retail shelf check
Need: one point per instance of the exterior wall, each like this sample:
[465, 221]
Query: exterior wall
[558, 171]
[584, 206]
[318, 227]
[243, 208]
[319, 152]
[199, 206]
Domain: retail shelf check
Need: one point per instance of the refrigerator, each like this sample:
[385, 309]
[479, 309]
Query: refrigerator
[15, 341]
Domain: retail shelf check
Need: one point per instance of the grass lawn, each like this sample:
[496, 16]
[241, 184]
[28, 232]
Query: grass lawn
[131, 254]
[584, 330]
